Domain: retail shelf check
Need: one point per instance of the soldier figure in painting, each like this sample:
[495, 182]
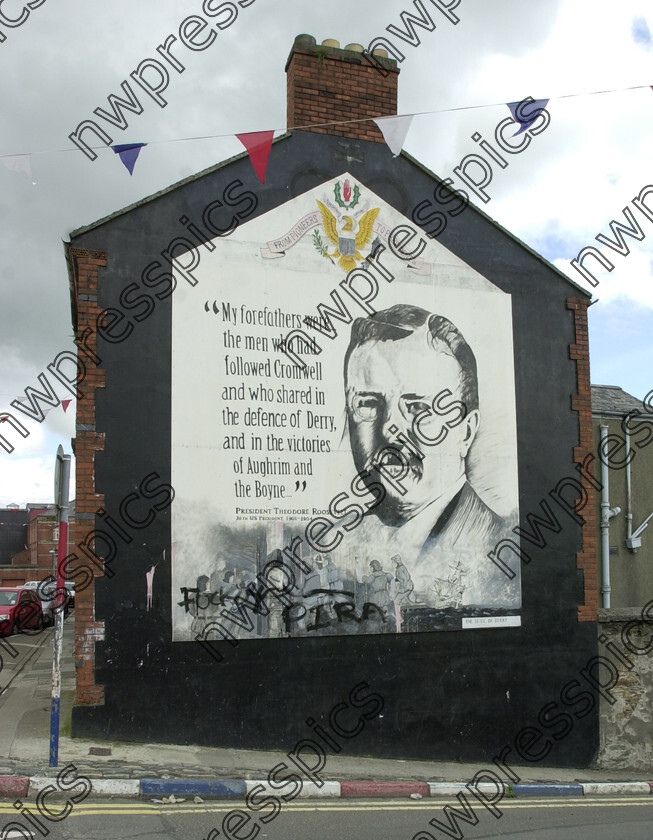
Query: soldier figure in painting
[405, 585]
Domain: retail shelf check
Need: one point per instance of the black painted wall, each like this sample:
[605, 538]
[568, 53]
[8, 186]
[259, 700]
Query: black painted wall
[448, 695]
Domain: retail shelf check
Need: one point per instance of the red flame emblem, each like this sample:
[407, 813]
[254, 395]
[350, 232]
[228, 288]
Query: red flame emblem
[346, 191]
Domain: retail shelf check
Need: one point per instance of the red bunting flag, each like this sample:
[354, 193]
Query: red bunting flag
[65, 404]
[258, 145]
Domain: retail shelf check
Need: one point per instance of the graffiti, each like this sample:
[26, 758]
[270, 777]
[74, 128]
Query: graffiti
[310, 596]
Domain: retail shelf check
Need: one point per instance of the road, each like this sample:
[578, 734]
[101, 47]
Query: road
[561, 818]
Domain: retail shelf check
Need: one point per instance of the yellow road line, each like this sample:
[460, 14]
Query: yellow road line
[432, 804]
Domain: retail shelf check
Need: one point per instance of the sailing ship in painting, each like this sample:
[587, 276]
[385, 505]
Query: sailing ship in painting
[449, 591]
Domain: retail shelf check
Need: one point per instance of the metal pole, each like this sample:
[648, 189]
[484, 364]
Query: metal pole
[605, 526]
[62, 481]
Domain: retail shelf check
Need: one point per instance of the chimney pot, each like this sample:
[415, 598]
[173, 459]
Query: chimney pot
[328, 84]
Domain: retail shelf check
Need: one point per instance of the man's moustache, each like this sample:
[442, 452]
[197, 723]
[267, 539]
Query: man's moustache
[393, 457]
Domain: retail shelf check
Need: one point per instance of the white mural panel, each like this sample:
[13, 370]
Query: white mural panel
[344, 450]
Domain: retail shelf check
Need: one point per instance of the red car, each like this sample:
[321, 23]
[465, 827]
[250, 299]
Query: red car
[20, 609]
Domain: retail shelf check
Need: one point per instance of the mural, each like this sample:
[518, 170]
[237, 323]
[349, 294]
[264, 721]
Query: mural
[344, 449]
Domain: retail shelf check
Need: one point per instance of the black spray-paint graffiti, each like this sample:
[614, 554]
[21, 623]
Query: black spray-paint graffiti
[308, 610]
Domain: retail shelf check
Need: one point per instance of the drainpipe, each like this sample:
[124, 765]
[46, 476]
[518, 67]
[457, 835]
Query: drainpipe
[606, 515]
[629, 507]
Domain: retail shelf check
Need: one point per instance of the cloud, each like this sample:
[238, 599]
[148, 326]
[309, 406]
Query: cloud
[642, 34]
[27, 479]
[556, 196]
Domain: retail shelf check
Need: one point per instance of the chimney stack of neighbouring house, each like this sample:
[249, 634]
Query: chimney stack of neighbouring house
[327, 84]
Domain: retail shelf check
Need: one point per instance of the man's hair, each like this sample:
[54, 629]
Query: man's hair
[401, 321]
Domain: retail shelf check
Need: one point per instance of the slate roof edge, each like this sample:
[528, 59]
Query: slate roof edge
[500, 227]
[189, 180]
[408, 157]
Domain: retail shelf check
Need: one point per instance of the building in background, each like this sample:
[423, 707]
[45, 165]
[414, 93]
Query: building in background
[623, 431]
[34, 558]
[13, 532]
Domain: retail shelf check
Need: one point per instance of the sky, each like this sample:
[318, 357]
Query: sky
[68, 56]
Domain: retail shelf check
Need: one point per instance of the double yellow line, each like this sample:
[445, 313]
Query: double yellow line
[432, 803]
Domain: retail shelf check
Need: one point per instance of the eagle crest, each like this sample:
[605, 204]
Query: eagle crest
[348, 244]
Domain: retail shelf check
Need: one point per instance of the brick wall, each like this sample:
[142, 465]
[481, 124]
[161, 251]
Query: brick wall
[325, 84]
[586, 559]
[85, 265]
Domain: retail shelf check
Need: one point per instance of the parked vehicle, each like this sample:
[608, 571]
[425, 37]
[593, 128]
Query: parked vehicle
[45, 589]
[20, 609]
[70, 586]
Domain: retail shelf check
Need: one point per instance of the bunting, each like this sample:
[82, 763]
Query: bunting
[128, 154]
[65, 404]
[394, 130]
[527, 113]
[258, 145]
[19, 163]
[531, 110]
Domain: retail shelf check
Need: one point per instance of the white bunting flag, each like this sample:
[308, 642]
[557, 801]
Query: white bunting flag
[394, 130]
[19, 163]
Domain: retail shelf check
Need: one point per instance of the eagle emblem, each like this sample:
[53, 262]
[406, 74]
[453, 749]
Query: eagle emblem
[348, 234]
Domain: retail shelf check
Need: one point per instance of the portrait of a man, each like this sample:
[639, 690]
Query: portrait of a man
[411, 384]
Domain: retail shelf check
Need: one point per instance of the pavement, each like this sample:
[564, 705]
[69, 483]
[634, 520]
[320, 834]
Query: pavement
[119, 768]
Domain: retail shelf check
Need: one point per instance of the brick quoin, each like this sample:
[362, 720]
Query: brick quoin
[327, 84]
[85, 266]
[586, 559]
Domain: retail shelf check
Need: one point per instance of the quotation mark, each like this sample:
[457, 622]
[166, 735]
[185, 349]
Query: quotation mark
[215, 306]
[301, 484]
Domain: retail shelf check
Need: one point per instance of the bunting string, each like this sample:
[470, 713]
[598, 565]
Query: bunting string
[336, 122]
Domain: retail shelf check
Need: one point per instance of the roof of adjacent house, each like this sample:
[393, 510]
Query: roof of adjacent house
[613, 399]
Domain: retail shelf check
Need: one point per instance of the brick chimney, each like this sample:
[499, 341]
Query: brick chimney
[327, 83]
